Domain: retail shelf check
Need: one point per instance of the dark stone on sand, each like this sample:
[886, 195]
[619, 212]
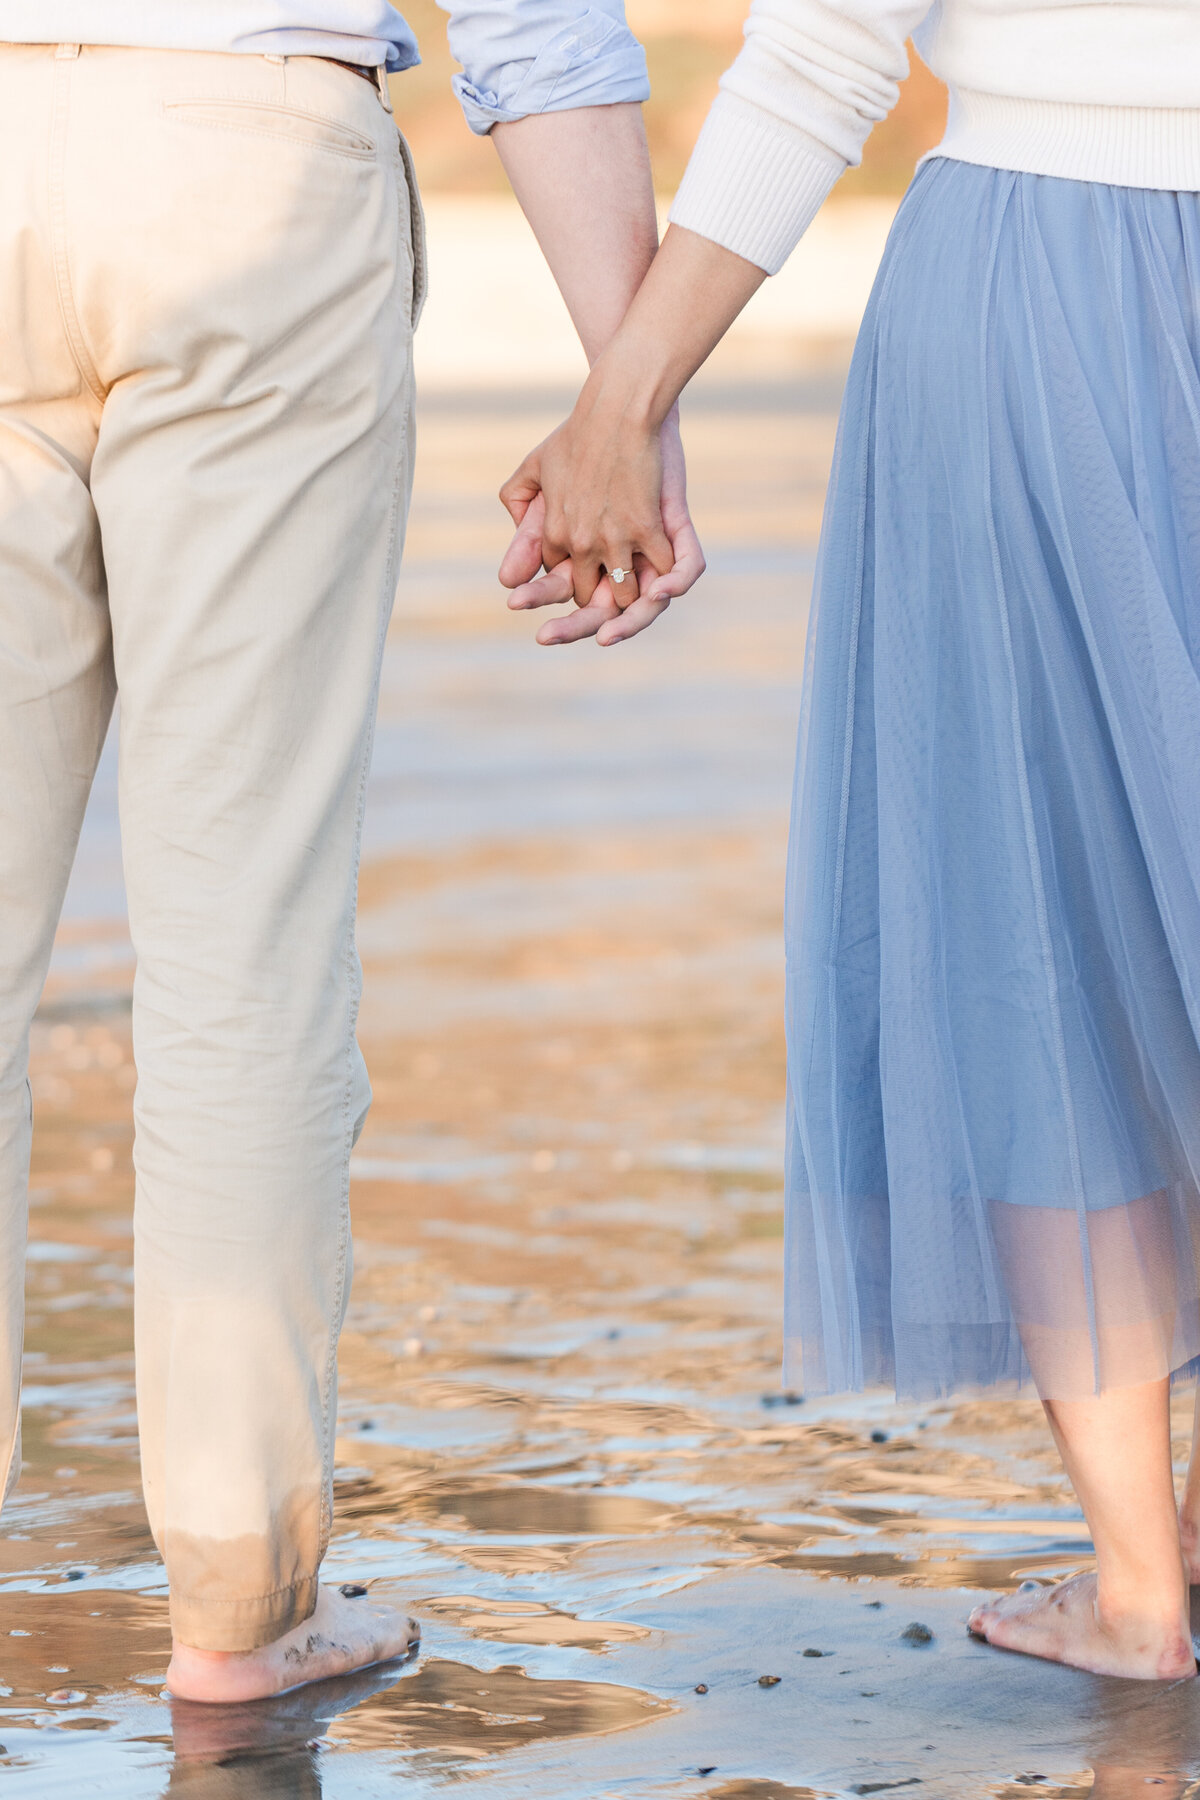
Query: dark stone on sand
[352, 1590]
[709, 1769]
[884, 1787]
[366, 1424]
[769, 1680]
[916, 1634]
[876, 1604]
[816, 1653]
[879, 1437]
[701, 1687]
[75, 1574]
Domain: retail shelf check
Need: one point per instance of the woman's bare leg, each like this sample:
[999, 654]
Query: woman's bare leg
[1131, 1616]
[1189, 1510]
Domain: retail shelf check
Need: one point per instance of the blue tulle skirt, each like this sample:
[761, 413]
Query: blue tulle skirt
[994, 884]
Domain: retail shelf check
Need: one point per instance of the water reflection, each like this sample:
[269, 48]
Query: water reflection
[256, 1752]
[1142, 1741]
[450, 1713]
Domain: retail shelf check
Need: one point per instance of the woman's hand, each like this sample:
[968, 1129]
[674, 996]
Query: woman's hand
[606, 491]
[601, 493]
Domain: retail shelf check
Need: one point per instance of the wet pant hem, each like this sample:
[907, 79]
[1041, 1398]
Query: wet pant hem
[242, 1624]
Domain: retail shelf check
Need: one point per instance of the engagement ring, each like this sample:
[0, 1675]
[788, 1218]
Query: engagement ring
[618, 575]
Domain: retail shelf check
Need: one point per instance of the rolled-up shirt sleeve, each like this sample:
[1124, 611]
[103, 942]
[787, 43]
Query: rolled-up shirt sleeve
[534, 56]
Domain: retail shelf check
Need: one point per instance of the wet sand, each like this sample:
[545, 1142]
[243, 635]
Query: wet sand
[563, 1445]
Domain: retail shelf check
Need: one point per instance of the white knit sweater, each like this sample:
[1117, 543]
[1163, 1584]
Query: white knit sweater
[1097, 90]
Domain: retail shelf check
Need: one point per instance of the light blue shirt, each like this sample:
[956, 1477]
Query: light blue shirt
[518, 56]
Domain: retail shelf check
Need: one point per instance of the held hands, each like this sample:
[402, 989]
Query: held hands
[603, 493]
[606, 491]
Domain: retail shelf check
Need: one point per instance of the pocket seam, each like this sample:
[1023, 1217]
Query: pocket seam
[357, 147]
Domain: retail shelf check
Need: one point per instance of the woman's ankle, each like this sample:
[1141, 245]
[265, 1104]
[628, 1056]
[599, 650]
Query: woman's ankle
[1150, 1609]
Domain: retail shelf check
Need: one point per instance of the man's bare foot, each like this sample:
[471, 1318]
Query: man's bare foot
[342, 1634]
[1063, 1624]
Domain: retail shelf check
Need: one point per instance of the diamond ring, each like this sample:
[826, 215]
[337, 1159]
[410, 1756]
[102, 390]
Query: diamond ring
[618, 575]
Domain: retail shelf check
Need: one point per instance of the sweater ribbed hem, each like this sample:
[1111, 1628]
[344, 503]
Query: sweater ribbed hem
[754, 184]
[1126, 146]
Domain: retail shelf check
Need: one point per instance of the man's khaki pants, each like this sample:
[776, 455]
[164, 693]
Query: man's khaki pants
[209, 271]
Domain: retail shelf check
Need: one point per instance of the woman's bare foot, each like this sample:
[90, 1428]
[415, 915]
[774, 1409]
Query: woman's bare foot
[1064, 1625]
[342, 1634]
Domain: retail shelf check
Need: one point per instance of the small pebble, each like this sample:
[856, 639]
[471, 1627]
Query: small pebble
[366, 1424]
[66, 1696]
[711, 1769]
[769, 1680]
[879, 1437]
[701, 1687]
[75, 1574]
[817, 1653]
[874, 1604]
[916, 1634]
[352, 1590]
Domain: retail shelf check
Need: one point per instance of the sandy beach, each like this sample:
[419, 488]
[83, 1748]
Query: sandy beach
[641, 1569]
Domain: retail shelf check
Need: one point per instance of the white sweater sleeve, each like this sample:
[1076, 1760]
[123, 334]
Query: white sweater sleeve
[792, 115]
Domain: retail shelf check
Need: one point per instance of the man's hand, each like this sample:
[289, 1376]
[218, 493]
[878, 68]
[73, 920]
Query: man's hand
[666, 564]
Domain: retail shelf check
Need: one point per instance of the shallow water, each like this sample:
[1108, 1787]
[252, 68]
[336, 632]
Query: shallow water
[563, 1444]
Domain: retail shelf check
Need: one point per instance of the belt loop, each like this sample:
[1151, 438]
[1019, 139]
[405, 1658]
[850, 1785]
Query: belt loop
[66, 52]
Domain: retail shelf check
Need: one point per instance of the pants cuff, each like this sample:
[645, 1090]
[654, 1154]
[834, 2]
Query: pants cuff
[242, 1624]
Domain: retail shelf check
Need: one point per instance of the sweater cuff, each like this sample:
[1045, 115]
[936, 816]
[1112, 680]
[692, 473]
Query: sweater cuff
[754, 184]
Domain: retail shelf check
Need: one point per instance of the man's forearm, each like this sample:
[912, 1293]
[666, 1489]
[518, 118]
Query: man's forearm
[583, 180]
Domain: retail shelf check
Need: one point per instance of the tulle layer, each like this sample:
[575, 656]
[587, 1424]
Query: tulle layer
[994, 885]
